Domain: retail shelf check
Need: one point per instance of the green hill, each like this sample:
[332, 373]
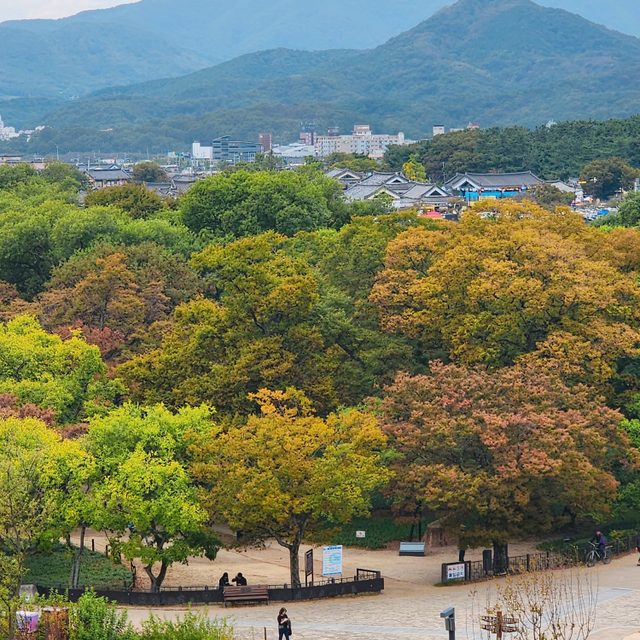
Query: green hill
[498, 62]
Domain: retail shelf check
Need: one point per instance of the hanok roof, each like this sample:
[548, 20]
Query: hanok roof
[494, 180]
[388, 178]
[366, 192]
[420, 190]
[344, 173]
[107, 175]
[163, 189]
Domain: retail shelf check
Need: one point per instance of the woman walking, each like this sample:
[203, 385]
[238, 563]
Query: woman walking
[284, 625]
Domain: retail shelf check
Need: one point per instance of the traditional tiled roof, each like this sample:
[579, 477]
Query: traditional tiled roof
[379, 178]
[341, 173]
[495, 180]
[107, 175]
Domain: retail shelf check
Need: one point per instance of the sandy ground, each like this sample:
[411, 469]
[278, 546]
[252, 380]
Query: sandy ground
[409, 607]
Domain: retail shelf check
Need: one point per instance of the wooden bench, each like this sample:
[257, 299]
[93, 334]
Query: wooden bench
[250, 593]
[412, 549]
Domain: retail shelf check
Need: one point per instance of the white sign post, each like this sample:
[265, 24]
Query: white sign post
[456, 571]
[332, 561]
[361, 534]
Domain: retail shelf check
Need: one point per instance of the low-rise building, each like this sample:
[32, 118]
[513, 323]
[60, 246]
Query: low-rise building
[403, 193]
[476, 186]
[112, 176]
[361, 142]
[294, 154]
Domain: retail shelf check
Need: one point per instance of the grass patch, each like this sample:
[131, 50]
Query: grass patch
[53, 569]
[379, 530]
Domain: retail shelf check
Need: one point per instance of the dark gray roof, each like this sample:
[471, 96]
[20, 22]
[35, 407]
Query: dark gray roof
[379, 178]
[496, 180]
[101, 175]
[341, 173]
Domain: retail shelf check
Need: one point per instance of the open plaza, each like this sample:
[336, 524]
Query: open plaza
[410, 606]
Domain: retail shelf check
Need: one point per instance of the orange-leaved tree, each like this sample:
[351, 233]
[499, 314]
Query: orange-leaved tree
[504, 453]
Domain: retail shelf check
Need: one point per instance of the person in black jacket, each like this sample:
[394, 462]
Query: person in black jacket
[284, 625]
[224, 581]
[240, 580]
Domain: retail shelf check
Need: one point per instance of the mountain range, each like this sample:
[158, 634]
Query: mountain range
[498, 62]
[150, 39]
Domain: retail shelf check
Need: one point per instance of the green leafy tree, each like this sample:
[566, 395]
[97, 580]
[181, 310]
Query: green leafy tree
[353, 162]
[414, 169]
[245, 203]
[604, 178]
[65, 175]
[71, 476]
[26, 507]
[42, 369]
[273, 324]
[135, 199]
[549, 197]
[146, 500]
[629, 212]
[149, 172]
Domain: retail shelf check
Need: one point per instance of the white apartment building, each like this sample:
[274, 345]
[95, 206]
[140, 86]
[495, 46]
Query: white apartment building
[198, 152]
[361, 142]
[7, 133]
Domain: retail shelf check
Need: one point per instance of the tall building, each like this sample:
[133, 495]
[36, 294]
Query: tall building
[233, 151]
[308, 133]
[266, 141]
[198, 152]
[361, 142]
[226, 150]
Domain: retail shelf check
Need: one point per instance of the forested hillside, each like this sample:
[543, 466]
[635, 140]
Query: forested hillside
[561, 150]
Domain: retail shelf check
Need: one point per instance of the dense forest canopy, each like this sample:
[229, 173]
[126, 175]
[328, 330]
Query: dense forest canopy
[554, 151]
[450, 367]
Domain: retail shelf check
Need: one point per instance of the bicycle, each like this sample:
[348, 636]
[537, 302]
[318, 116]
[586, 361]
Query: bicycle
[594, 554]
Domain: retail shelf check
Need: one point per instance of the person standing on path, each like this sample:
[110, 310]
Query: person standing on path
[638, 547]
[284, 625]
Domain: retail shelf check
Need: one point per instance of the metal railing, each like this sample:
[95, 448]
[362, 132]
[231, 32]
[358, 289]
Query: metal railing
[572, 555]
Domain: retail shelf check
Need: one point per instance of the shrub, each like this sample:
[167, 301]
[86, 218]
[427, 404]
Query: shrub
[193, 626]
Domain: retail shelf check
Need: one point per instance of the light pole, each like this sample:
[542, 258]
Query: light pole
[449, 616]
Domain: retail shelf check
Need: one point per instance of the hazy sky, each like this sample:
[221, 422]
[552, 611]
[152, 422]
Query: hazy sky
[15, 9]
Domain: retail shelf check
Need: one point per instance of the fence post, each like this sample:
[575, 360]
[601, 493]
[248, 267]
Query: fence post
[93, 545]
[528, 563]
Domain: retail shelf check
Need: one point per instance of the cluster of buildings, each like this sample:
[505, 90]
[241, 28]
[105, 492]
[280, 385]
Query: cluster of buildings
[113, 175]
[361, 141]
[437, 201]
[8, 133]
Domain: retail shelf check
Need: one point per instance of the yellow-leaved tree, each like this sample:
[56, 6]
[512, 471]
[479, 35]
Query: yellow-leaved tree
[287, 471]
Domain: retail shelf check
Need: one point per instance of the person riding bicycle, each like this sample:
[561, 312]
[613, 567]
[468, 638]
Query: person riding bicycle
[601, 542]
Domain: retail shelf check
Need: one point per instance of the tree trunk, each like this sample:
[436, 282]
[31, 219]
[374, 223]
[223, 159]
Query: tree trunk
[77, 559]
[294, 564]
[156, 581]
[500, 558]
